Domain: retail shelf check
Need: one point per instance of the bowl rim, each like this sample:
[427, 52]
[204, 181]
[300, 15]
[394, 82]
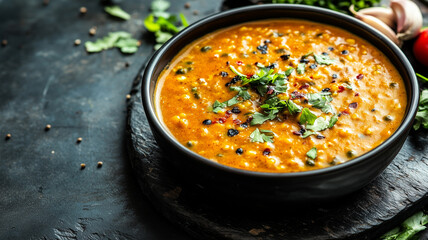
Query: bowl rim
[405, 125]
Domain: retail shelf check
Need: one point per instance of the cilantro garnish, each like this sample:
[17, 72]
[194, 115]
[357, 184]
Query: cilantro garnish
[421, 118]
[319, 124]
[259, 118]
[321, 100]
[289, 71]
[293, 108]
[301, 68]
[323, 59]
[121, 40]
[332, 121]
[259, 136]
[408, 229]
[116, 11]
[242, 94]
[162, 23]
[307, 117]
[312, 154]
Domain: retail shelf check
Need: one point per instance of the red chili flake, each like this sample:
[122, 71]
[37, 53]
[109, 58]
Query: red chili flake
[214, 122]
[222, 120]
[239, 63]
[360, 76]
[357, 94]
[227, 114]
[333, 81]
[353, 105]
[266, 152]
[345, 112]
[341, 89]
[237, 121]
[304, 86]
[270, 90]
[311, 77]
[249, 75]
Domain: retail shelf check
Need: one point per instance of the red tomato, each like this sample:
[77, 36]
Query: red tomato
[420, 47]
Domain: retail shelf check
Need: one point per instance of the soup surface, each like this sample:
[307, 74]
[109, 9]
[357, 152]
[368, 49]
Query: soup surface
[280, 96]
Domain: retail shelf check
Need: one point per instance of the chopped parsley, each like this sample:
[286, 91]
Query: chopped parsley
[261, 136]
[312, 154]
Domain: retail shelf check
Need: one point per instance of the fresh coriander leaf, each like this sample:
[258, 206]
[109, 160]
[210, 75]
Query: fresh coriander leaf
[150, 23]
[301, 68]
[307, 54]
[259, 118]
[391, 235]
[233, 69]
[293, 108]
[244, 95]
[412, 226]
[321, 101]
[307, 117]
[320, 124]
[162, 37]
[323, 59]
[421, 119]
[332, 121]
[116, 11]
[257, 136]
[423, 101]
[312, 154]
[122, 40]
[167, 25]
[308, 133]
[183, 20]
[262, 89]
[232, 101]
[217, 106]
[159, 5]
[289, 71]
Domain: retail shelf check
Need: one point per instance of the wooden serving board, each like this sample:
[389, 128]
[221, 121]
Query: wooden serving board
[366, 214]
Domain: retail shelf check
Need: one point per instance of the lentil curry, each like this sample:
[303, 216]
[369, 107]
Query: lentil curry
[280, 96]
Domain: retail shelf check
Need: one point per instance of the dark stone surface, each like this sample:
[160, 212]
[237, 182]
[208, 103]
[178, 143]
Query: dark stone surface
[45, 79]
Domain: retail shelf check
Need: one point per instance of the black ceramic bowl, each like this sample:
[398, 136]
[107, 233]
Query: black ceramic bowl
[319, 184]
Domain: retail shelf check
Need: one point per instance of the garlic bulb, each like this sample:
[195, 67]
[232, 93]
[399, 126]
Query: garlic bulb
[378, 24]
[405, 13]
[384, 14]
[409, 18]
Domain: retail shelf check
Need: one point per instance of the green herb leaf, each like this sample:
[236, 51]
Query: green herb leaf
[332, 121]
[150, 23]
[312, 154]
[293, 108]
[320, 124]
[308, 133]
[159, 5]
[321, 100]
[307, 117]
[289, 71]
[301, 68]
[257, 136]
[122, 40]
[183, 20]
[259, 118]
[116, 11]
[323, 59]
[409, 228]
[421, 118]
[422, 77]
[217, 106]
[233, 69]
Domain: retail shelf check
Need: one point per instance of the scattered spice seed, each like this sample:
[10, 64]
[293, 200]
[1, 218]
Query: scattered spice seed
[82, 166]
[92, 31]
[79, 140]
[77, 42]
[128, 96]
[387, 118]
[8, 136]
[207, 122]
[232, 132]
[334, 76]
[224, 74]
[4, 42]
[353, 105]
[127, 64]
[285, 57]
[310, 162]
[239, 151]
[244, 125]
[266, 152]
[236, 110]
[330, 48]
[187, 5]
[344, 52]
[196, 12]
[326, 90]
[99, 164]
[48, 127]
[83, 10]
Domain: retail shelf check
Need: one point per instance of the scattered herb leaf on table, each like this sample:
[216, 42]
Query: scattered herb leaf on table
[116, 11]
[121, 40]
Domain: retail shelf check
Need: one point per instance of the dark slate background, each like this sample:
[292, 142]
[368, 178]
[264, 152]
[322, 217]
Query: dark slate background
[45, 79]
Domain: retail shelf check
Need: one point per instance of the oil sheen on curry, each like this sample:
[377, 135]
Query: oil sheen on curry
[280, 96]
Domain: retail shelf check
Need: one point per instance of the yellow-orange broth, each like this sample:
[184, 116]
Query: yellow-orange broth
[353, 81]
